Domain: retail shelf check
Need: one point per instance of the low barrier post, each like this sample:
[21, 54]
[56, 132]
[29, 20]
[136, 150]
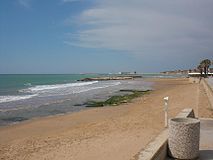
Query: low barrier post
[166, 99]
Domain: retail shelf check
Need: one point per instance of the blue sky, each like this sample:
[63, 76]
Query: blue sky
[78, 36]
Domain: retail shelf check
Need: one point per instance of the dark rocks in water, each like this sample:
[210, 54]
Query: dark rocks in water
[79, 105]
[132, 90]
[56, 111]
[94, 104]
[14, 119]
[86, 79]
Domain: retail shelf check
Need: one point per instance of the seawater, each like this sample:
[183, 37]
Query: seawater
[23, 97]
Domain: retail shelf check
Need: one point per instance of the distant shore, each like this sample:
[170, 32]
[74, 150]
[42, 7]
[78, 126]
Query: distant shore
[108, 133]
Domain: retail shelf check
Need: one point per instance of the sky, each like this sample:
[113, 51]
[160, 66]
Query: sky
[104, 36]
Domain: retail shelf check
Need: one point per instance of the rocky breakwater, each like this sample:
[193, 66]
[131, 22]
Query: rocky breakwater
[111, 78]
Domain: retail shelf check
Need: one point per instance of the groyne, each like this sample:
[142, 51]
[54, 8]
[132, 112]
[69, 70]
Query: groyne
[108, 78]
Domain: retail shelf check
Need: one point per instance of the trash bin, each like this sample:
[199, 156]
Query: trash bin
[184, 138]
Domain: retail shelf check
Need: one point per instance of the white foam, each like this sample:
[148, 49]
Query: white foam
[28, 84]
[75, 89]
[15, 98]
[93, 88]
[58, 89]
[40, 88]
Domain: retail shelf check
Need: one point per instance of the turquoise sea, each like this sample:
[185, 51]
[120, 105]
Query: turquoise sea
[24, 96]
[11, 83]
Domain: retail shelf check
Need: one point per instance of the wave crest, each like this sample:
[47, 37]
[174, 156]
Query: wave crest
[15, 98]
[56, 86]
[57, 90]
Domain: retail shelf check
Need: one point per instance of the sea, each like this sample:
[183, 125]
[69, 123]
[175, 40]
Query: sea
[27, 96]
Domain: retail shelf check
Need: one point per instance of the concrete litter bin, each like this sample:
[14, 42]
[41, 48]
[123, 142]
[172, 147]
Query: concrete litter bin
[184, 138]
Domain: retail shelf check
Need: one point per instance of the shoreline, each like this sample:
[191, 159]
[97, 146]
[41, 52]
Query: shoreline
[41, 106]
[74, 102]
[106, 133]
[68, 113]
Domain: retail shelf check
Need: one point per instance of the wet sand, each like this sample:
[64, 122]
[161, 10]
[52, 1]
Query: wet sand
[109, 133]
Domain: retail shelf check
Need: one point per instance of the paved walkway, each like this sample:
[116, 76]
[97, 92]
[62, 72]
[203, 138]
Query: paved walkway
[210, 82]
[206, 139]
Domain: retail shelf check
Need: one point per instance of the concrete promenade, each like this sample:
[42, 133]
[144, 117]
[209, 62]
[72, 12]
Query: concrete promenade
[210, 82]
[206, 139]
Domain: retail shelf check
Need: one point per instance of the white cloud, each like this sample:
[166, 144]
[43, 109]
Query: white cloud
[65, 1]
[25, 3]
[147, 26]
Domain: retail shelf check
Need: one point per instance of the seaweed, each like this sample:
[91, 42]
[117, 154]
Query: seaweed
[118, 99]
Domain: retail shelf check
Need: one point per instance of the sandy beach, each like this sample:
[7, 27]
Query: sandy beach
[108, 133]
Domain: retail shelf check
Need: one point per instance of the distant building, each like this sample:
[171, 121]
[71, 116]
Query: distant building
[176, 72]
[190, 72]
[197, 74]
[125, 73]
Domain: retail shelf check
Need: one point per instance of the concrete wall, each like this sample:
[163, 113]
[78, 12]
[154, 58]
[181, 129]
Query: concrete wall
[157, 149]
[186, 113]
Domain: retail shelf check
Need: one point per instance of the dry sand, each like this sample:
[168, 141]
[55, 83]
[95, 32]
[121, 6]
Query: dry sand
[109, 133]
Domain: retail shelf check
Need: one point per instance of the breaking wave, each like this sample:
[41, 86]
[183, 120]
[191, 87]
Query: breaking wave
[41, 88]
[15, 98]
[57, 90]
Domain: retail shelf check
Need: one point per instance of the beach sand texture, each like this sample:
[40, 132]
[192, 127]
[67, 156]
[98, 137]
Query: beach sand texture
[109, 133]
